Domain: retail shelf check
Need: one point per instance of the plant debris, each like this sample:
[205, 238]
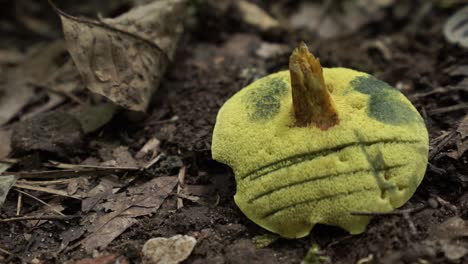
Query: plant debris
[59, 199]
[6, 182]
[139, 200]
[456, 27]
[171, 250]
[126, 57]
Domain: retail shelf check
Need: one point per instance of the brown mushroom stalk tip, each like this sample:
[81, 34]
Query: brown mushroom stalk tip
[312, 102]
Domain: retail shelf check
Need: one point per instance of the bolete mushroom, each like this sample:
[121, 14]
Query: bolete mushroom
[312, 145]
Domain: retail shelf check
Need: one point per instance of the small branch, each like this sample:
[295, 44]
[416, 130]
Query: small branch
[78, 167]
[180, 184]
[41, 201]
[19, 204]
[153, 161]
[395, 212]
[44, 217]
[443, 110]
[68, 170]
[46, 190]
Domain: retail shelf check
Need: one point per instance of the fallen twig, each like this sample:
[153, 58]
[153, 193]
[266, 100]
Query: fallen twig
[447, 109]
[395, 212]
[44, 217]
[180, 184]
[405, 213]
[39, 200]
[19, 204]
[46, 190]
[80, 167]
[153, 161]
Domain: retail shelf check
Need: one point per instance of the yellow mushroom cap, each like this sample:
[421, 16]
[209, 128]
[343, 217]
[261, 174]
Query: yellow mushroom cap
[291, 175]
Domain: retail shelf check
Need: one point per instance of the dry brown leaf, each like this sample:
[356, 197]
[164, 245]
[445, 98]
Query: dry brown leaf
[125, 58]
[462, 139]
[100, 192]
[139, 200]
[6, 182]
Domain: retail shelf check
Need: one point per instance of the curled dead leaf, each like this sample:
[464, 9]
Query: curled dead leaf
[6, 182]
[124, 59]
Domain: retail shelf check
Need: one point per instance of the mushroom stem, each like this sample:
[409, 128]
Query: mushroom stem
[311, 99]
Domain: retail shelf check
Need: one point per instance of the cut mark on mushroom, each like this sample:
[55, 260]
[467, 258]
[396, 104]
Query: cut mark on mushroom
[317, 200]
[375, 163]
[304, 157]
[321, 177]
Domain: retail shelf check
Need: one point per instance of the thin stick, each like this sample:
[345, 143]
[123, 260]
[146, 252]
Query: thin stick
[447, 109]
[395, 212]
[46, 190]
[19, 203]
[78, 167]
[181, 178]
[4, 251]
[53, 174]
[41, 201]
[52, 182]
[44, 217]
[153, 161]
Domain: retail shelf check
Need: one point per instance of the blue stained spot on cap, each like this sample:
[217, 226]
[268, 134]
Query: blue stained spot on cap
[263, 102]
[385, 103]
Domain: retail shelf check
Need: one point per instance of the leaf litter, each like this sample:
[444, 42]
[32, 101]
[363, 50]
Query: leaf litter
[178, 135]
[125, 58]
[139, 200]
[50, 133]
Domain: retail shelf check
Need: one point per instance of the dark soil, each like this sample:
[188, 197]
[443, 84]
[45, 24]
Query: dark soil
[217, 57]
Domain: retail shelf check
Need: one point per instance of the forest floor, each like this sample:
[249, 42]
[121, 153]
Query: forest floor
[219, 54]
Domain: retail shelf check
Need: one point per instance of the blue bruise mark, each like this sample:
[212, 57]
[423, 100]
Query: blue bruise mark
[385, 104]
[264, 102]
